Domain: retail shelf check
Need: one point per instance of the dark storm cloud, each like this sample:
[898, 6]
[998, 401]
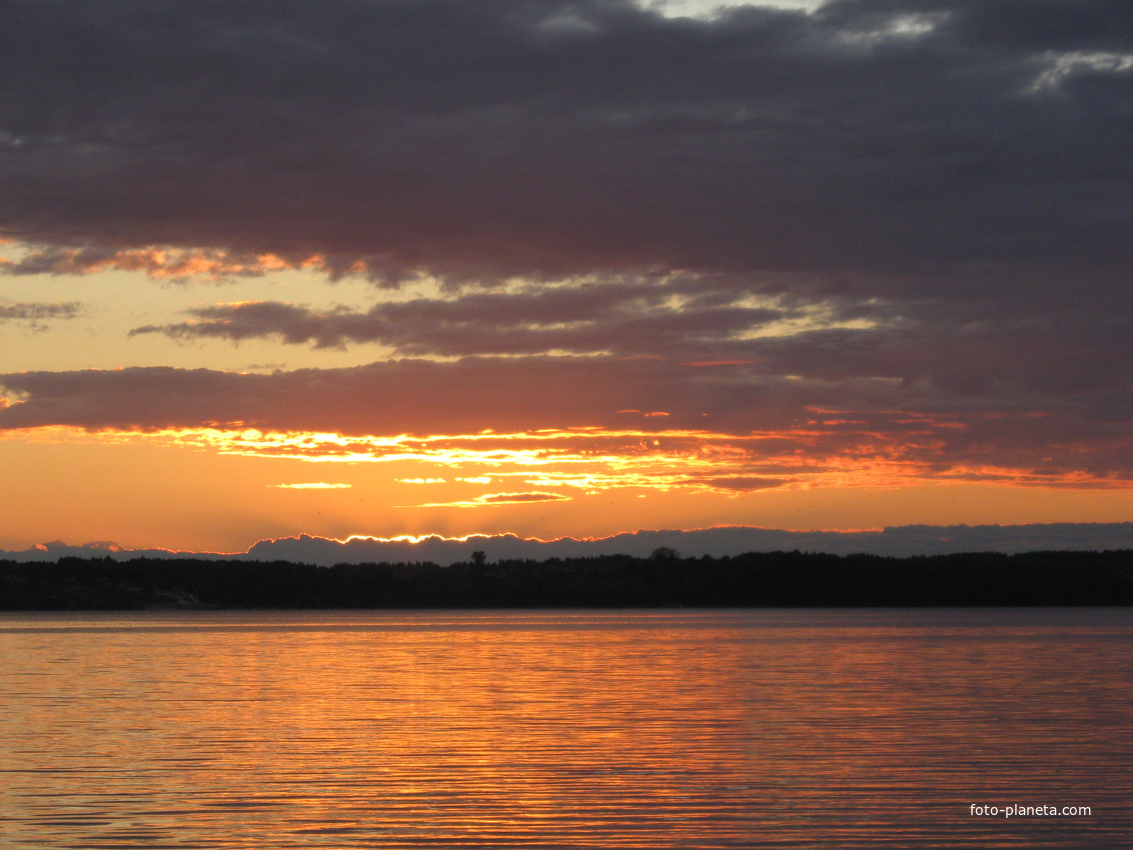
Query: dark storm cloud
[509, 136]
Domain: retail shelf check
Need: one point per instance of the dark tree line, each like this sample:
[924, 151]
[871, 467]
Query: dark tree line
[772, 579]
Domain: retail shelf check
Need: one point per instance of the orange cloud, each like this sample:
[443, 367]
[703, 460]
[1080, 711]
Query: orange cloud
[167, 262]
[496, 499]
[828, 453]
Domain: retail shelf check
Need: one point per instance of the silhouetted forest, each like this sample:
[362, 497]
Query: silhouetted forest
[765, 579]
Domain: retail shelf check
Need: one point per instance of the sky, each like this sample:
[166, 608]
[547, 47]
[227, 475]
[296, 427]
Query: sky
[433, 267]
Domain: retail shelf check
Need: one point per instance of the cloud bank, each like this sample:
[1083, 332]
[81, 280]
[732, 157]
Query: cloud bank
[510, 137]
[896, 542]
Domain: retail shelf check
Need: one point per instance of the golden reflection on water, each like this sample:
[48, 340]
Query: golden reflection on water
[563, 729]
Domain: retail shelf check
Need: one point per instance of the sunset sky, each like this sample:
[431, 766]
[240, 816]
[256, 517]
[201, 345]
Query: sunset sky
[415, 267]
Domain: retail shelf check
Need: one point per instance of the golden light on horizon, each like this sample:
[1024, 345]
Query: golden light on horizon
[135, 488]
[594, 457]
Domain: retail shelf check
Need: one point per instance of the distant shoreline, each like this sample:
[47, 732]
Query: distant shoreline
[663, 580]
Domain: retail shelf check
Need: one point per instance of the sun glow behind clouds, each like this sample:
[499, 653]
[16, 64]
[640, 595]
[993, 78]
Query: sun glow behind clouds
[833, 449]
[317, 485]
[778, 250]
[766, 480]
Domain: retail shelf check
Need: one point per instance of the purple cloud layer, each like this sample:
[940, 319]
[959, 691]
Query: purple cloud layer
[544, 138]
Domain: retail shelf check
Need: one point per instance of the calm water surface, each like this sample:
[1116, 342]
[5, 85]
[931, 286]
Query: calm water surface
[564, 729]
